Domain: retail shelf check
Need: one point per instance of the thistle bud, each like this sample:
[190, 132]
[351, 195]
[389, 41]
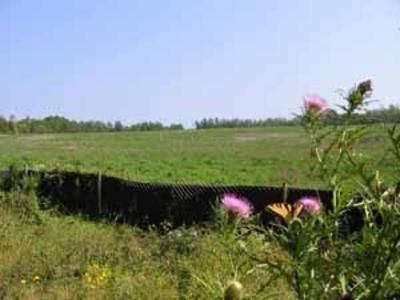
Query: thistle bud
[365, 87]
[233, 291]
[358, 94]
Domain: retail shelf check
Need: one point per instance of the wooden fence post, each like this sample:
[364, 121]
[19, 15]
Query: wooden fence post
[99, 193]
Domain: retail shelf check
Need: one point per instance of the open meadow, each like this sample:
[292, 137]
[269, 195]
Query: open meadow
[261, 156]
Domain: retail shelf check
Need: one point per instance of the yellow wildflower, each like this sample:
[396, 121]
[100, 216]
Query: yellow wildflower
[97, 275]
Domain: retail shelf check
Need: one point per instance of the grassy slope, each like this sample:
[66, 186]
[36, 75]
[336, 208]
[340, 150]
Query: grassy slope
[48, 257]
[267, 156]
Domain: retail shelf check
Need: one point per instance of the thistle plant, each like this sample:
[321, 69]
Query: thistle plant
[320, 255]
[231, 213]
[237, 205]
[368, 257]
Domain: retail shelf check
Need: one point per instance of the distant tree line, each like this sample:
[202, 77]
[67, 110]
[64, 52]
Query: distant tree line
[58, 124]
[208, 123]
[390, 114]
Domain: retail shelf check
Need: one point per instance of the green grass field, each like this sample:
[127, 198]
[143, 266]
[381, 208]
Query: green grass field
[264, 156]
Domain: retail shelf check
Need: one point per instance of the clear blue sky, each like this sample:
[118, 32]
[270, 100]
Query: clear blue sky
[182, 60]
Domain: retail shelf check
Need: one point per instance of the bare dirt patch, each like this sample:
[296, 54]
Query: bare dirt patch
[36, 137]
[256, 136]
[73, 148]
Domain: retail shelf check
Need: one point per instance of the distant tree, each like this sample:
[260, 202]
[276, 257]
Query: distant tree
[13, 125]
[176, 126]
[3, 125]
[118, 126]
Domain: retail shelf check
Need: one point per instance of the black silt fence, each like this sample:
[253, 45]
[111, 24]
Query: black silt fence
[143, 204]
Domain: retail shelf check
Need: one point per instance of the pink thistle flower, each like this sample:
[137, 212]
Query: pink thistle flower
[238, 205]
[312, 205]
[315, 102]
